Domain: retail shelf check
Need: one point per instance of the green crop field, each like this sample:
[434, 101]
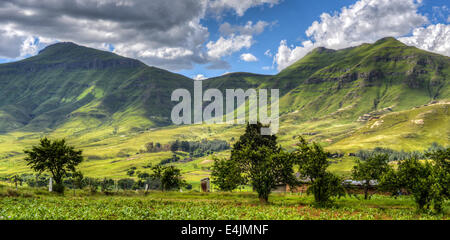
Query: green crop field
[29, 204]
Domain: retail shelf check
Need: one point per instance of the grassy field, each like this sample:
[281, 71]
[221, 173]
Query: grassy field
[29, 203]
[111, 155]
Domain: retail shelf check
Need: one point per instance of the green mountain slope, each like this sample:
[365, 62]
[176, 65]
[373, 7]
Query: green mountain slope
[383, 94]
[355, 81]
[352, 82]
[67, 83]
[78, 87]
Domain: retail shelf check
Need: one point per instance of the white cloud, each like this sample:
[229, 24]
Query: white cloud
[363, 22]
[235, 39]
[199, 77]
[239, 6]
[247, 29]
[434, 38]
[227, 46]
[135, 28]
[287, 55]
[248, 57]
[366, 21]
[268, 53]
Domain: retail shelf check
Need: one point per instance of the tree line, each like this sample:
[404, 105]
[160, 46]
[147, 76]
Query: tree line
[259, 161]
[60, 160]
[394, 155]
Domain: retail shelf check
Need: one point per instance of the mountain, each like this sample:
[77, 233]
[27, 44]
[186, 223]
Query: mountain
[352, 82]
[70, 86]
[78, 87]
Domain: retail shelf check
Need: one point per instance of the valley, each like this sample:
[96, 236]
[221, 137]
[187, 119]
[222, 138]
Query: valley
[384, 94]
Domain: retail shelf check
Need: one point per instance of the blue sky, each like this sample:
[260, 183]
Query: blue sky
[184, 36]
[292, 19]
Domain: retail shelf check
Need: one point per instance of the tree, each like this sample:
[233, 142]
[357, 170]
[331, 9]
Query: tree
[16, 180]
[370, 170]
[77, 178]
[441, 159]
[125, 184]
[257, 159]
[175, 146]
[169, 176]
[185, 147]
[106, 185]
[130, 172]
[267, 167]
[313, 164]
[149, 147]
[55, 157]
[226, 174]
[423, 180]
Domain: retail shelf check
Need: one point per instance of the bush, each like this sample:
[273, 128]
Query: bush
[170, 177]
[125, 184]
[58, 188]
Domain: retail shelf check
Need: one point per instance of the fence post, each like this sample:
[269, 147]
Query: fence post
[50, 185]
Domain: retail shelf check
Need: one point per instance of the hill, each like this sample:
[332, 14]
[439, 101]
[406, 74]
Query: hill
[75, 87]
[352, 82]
[382, 94]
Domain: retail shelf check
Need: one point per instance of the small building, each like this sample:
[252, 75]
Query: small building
[284, 188]
[205, 185]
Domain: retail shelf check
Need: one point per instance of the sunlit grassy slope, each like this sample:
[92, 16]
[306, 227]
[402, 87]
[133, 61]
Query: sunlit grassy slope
[110, 106]
[109, 155]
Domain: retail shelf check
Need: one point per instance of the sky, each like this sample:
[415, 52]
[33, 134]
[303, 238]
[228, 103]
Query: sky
[208, 38]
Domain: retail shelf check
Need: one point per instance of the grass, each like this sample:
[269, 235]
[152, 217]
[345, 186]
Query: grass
[104, 150]
[32, 204]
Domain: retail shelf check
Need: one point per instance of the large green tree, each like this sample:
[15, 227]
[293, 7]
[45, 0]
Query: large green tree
[258, 160]
[372, 169]
[313, 163]
[55, 157]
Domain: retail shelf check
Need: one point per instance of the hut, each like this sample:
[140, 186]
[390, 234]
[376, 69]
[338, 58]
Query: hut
[205, 185]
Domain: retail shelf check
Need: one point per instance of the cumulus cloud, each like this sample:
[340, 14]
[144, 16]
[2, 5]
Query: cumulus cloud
[199, 77]
[434, 38]
[227, 46]
[363, 22]
[239, 6]
[162, 33]
[234, 39]
[248, 57]
[247, 29]
[287, 55]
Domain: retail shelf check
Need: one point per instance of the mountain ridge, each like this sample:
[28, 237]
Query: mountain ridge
[67, 83]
